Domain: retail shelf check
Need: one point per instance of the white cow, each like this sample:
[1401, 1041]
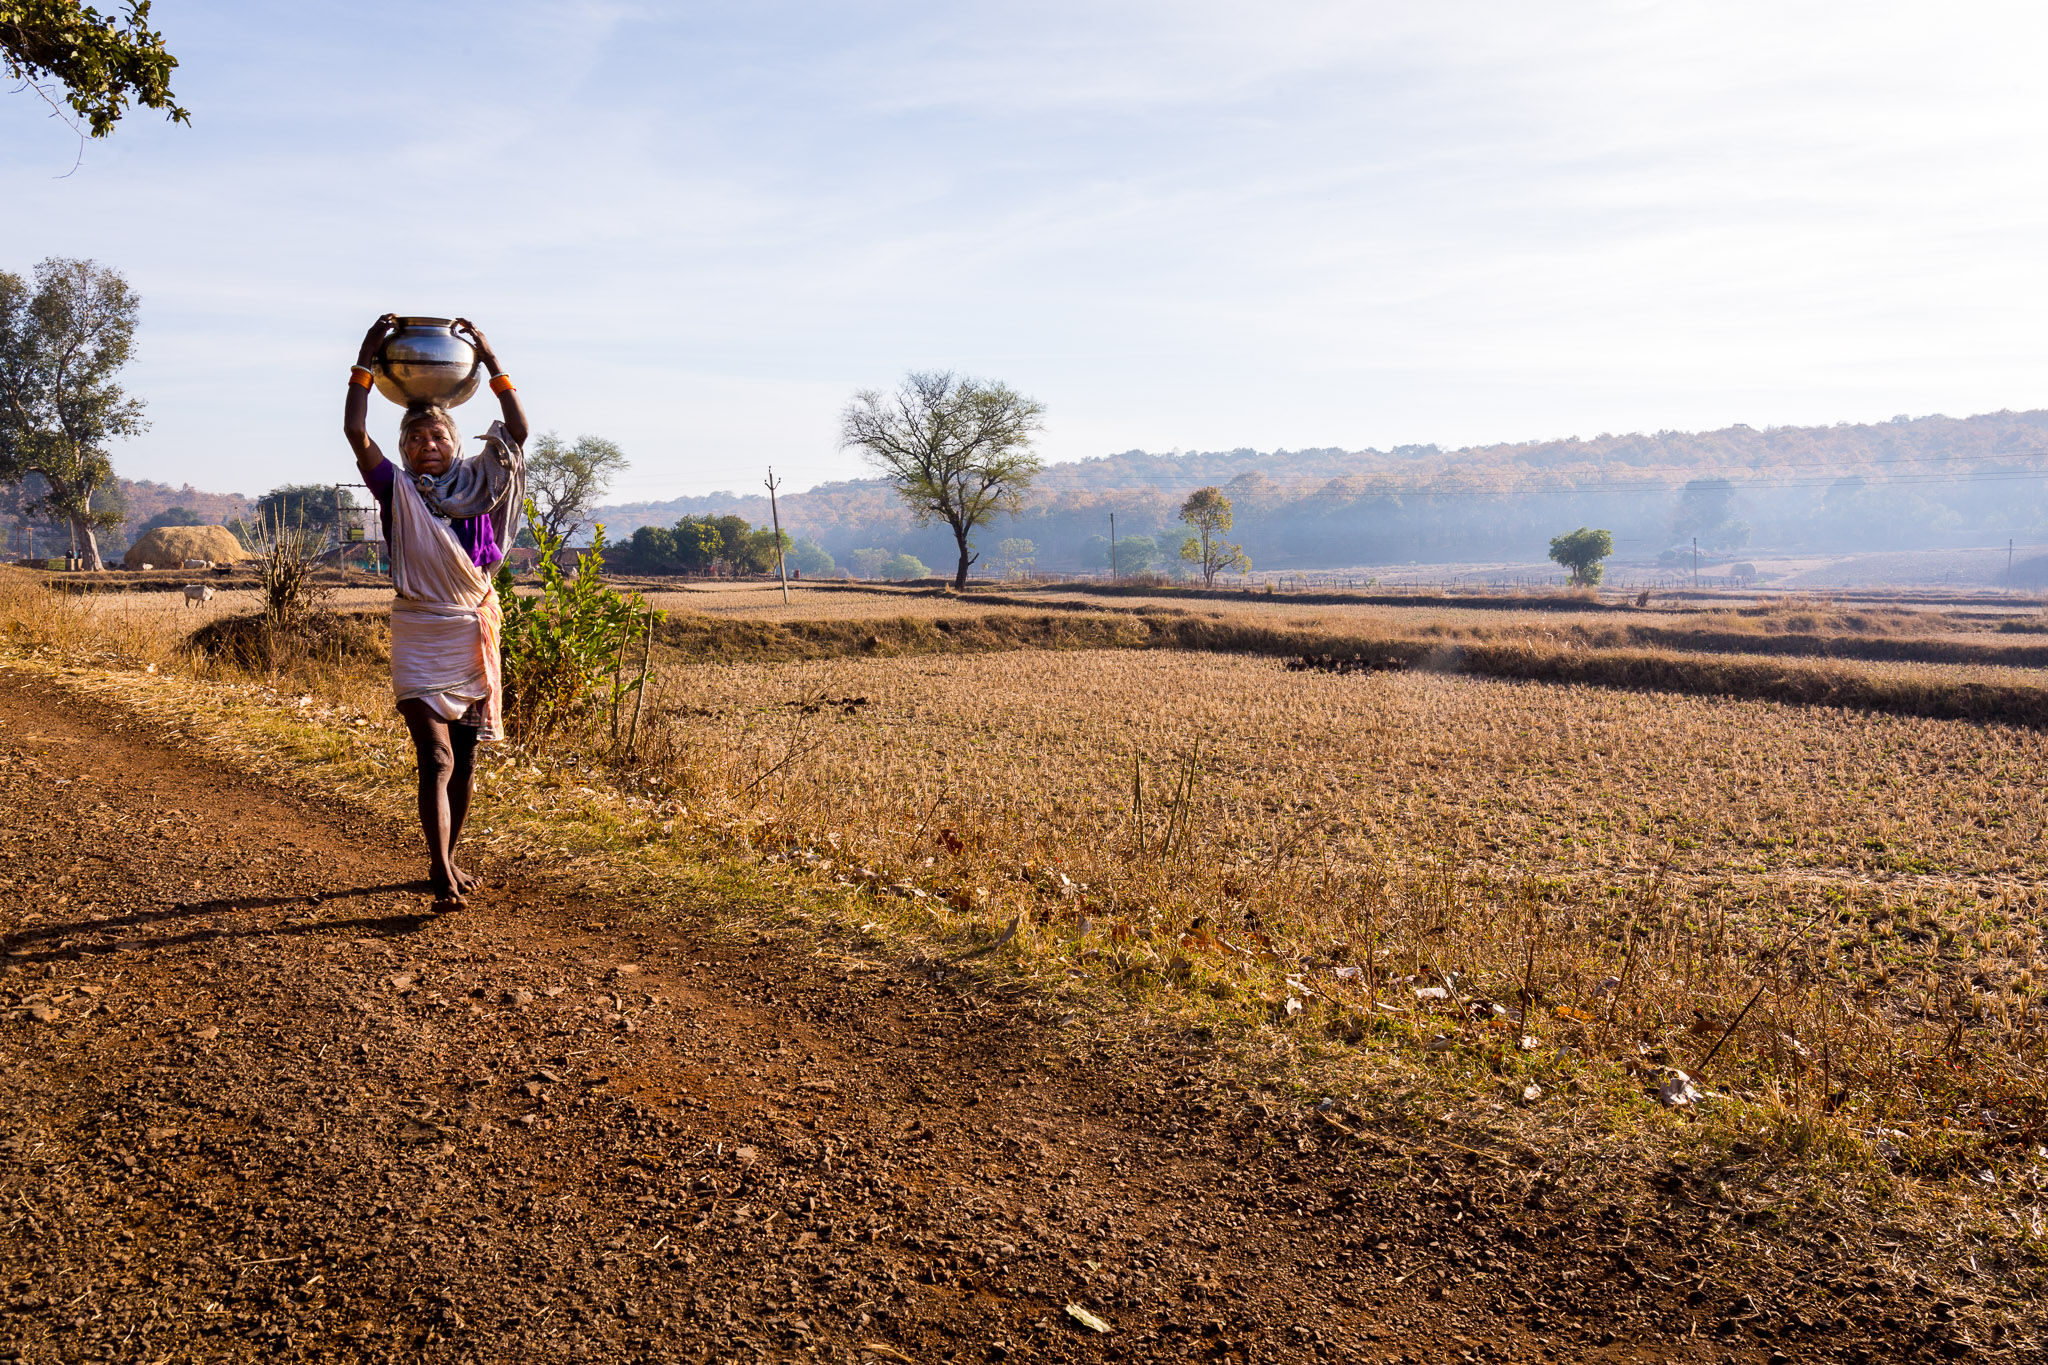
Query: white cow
[198, 563]
[197, 593]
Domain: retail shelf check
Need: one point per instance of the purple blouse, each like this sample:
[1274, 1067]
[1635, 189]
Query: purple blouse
[474, 534]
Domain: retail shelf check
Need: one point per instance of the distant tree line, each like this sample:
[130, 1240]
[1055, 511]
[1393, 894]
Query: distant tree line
[1918, 483]
[711, 544]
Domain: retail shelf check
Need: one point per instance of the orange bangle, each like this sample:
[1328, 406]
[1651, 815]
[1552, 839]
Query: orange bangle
[360, 377]
[502, 384]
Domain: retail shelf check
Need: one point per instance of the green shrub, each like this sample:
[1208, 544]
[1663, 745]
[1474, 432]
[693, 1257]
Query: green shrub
[564, 651]
[905, 567]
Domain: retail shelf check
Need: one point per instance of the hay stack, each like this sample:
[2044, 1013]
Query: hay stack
[168, 547]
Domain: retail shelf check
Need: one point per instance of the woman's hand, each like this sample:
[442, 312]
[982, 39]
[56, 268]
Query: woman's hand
[373, 340]
[467, 330]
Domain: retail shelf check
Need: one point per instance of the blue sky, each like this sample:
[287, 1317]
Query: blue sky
[697, 229]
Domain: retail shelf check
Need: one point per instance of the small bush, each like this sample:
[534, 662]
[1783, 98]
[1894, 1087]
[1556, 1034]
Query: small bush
[258, 643]
[285, 558]
[564, 650]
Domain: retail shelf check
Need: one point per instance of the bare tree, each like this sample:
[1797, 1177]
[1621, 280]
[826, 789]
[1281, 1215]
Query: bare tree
[60, 348]
[565, 481]
[957, 450]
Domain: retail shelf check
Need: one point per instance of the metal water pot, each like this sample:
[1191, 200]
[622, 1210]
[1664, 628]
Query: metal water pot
[425, 362]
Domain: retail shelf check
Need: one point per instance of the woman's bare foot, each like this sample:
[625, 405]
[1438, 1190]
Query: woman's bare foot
[448, 893]
[465, 882]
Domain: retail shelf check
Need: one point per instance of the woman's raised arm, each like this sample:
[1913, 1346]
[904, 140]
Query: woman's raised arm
[501, 384]
[355, 414]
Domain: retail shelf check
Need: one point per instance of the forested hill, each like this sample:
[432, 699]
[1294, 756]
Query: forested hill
[1908, 483]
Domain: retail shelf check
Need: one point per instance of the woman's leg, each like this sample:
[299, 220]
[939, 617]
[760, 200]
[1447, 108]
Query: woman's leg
[436, 753]
[462, 740]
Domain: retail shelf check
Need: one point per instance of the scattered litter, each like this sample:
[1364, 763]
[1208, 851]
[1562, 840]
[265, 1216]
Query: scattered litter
[1528, 1042]
[1431, 993]
[1086, 1318]
[1531, 1093]
[1608, 985]
[1292, 1007]
[1679, 1092]
[1348, 973]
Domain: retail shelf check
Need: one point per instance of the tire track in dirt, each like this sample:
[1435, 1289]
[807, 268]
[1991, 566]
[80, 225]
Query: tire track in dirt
[258, 1106]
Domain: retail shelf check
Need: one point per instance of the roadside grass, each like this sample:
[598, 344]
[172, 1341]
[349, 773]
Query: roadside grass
[1049, 823]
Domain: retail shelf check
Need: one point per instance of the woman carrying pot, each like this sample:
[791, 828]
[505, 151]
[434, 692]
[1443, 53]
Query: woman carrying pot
[447, 518]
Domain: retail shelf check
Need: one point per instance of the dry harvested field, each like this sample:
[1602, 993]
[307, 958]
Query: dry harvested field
[1565, 781]
[1776, 971]
[763, 602]
[1501, 842]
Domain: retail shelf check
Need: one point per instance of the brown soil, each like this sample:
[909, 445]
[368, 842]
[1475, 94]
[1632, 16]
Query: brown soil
[257, 1105]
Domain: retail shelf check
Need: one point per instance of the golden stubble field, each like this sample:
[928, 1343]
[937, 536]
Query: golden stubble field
[1833, 918]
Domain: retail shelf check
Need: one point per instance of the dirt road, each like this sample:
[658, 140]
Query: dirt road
[256, 1106]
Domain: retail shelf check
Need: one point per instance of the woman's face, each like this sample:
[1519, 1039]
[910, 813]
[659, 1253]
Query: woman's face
[427, 448]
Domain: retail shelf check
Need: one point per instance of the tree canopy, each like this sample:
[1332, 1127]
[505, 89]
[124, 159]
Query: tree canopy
[1580, 552]
[1208, 512]
[61, 344]
[699, 544]
[170, 516]
[317, 507]
[902, 568]
[566, 481]
[101, 61]
[955, 450]
[1016, 555]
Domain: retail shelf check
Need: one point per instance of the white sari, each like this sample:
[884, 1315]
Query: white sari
[445, 619]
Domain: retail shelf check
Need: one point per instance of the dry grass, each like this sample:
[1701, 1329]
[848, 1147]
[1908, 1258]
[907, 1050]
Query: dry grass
[1597, 882]
[821, 602]
[1833, 920]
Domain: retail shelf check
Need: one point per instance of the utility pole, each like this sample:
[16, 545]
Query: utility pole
[2008, 564]
[1112, 547]
[775, 513]
[1695, 563]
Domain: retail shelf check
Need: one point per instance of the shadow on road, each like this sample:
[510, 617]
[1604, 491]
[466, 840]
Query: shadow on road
[14, 944]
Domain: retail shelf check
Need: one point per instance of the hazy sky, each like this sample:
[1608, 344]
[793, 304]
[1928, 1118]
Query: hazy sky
[697, 228]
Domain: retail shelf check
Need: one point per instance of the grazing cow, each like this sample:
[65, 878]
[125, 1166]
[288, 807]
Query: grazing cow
[196, 593]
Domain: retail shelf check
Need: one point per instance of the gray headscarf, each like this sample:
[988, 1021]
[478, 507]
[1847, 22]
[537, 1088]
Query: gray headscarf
[491, 482]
